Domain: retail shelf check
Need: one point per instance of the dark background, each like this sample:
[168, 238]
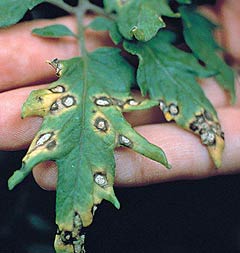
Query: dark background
[190, 216]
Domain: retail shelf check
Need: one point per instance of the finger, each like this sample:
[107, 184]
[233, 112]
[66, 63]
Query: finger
[17, 133]
[228, 12]
[218, 96]
[23, 56]
[189, 159]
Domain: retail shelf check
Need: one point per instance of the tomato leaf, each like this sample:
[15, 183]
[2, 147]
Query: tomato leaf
[83, 124]
[198, 33]
[11, 11]
[54, 31]
[141, 19]
[184, 1]
[104, 24]
[169, 76]
[112, 5]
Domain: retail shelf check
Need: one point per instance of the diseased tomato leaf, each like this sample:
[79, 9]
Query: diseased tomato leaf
[54, 31]
[198, 33]
[141, 19]
[83, 124]
[11, 11]
[169, 76]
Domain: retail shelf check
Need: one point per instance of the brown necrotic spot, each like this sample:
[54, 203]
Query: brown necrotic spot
[123, 140]
[66, 237]
[193, 126]
[118, 102]
[54, 106]
[56, 65]
[208, 115]
[68, 101]
[58, 89]
[101, 124]
[207, 128]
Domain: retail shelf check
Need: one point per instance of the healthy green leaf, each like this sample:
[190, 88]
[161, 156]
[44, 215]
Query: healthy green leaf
[198, 33]
[169, 75]
[113, 5]
[142, 18]
[11, 11]
[103, 24]
[83, 124]
[184, 1]
[54, 31]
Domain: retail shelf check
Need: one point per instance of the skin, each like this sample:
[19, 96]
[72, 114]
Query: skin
[23, 68]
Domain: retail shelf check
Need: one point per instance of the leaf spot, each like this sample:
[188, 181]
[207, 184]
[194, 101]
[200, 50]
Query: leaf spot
[66, 237]
[78, 245]
[173, 109]
[208, 116]
[208, 138]
[132, 102]
[123, 140]
[134, 29]
[118, 102]
[206, 128]
[56, 65]
[51, 145]
[58, 89]
[163, 106]
[101, 124]
[77, 221]
[100, 180]
[103, 101]
[54, 106]
[44, 138]
[68, 101]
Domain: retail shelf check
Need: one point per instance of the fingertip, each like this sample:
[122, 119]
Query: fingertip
[45, 175]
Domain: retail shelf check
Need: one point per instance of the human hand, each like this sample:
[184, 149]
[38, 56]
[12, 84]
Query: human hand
[22, 58]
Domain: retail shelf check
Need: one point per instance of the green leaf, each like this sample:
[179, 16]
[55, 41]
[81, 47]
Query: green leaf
[142, 18]
[198, 33]
[11, 11]
[54, 31]
[184, 1]
[169, 76]
[103, 24]
[113, 5]
[83, 124]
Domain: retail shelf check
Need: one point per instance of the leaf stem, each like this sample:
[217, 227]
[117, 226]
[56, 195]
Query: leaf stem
[80, 12]
[61, 4]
